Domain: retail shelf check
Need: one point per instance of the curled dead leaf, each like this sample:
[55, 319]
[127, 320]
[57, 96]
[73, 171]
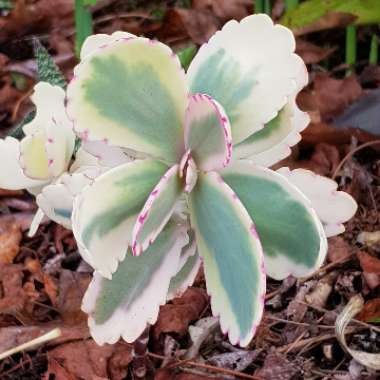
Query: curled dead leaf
[176, 317]
[353, 307]
[319, 295]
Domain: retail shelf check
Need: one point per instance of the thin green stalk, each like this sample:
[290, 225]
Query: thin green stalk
[83, 24]
[267, 7]
[259, 6]
[374, 50]
[291, 4]
[350, 48]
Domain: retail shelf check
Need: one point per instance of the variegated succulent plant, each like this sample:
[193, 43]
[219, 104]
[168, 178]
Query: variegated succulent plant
[198, 188]
[42, 162]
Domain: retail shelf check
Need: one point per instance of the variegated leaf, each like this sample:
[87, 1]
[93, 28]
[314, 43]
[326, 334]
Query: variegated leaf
[273, 142]
[232, 255]
[249, 67]
[46, 150]
[92, 43]
[106, 211]
[185, 276]
[207, 133]
[12, 176]
[123, 306]
[132, 93]
[56, 200]
[107, 155]
[290, 231]
[333, 207]
[157, 210]
[33, 157]
[188, 268]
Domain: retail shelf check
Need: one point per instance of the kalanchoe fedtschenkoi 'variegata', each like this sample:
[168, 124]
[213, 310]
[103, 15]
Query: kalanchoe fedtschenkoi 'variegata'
[42, 161]
[202, 136]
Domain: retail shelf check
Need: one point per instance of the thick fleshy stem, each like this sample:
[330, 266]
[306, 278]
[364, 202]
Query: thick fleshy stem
[142, 367]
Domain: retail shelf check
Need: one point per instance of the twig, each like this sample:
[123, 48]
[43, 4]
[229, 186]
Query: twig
[298, 323]
[326, 268]
[32, 343]
[305, 342]
[208, 367]
[351, 153]
[322, 310]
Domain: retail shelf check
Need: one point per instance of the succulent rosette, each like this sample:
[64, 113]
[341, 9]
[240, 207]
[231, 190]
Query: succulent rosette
[42, 162]
[195, 192]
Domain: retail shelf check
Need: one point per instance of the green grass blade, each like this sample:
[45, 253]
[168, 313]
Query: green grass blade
[83, 24]
[350, 48]
[267, 7]
[259, 6]
[374, 50]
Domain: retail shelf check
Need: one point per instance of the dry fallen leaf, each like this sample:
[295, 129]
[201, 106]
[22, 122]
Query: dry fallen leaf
[370, 311]
[278, 367]
[27, 16]
[312, 53]
[225, 9]
[86, 360]
[332, 95]
[237, 360]
[369, 263]
[71, 288]
[59, 372]
[338, 249]
[176, 317]
[13, 295]
[10, 239]
[323, 161]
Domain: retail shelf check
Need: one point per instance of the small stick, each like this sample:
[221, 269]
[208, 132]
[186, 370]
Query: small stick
[322, 310]
[351, 153]
[32, 343]
[209, 367]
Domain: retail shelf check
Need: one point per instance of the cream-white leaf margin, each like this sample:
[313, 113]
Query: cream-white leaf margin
[333, 207]
[129, 322]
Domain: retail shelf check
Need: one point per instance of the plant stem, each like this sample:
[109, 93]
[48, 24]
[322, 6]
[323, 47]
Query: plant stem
[259, 6]
[83, 24]
[350, 48]
[374, 50]
[291, 4]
